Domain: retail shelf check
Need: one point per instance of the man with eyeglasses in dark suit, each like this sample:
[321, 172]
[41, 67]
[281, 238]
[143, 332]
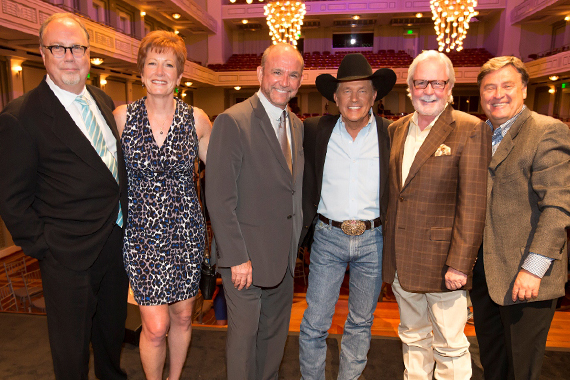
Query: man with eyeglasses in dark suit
[63, 199]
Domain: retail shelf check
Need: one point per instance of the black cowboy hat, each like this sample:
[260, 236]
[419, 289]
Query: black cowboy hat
[356, 67]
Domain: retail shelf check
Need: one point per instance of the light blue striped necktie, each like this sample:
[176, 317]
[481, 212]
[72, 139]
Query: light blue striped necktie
[96, 137]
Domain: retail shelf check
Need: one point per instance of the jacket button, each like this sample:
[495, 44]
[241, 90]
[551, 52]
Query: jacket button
[401, 199]
[289, 216]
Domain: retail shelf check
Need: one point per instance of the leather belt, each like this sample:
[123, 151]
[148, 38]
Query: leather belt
[352, 227]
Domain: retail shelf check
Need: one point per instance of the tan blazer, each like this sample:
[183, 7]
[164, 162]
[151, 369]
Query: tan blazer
[436, 218]
[253, 199]
[528, 205]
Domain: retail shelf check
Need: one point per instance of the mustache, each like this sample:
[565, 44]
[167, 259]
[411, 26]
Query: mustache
[428, 98]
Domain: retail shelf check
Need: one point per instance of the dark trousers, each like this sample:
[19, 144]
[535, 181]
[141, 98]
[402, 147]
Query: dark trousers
[258, 324]
[87, 306]
[512, 338]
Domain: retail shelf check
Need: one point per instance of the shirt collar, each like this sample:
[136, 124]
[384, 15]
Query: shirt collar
[65, 97]
[273, 112]
[504, 128]
[415, 119]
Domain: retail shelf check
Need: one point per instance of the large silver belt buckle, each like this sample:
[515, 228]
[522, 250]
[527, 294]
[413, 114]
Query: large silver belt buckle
[353, 227]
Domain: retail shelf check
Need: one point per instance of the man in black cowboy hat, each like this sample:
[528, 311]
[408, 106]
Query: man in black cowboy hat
[345, 198]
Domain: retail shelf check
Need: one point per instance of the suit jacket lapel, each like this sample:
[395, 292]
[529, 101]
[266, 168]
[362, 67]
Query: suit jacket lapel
[296, 140]
[398, 142]
[63, 126]
[267, 128]
[326, 126]
[383, 154]
[507, 143]
[439, 132]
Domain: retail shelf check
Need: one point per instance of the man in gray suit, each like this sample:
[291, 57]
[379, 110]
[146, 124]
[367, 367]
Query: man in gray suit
[253, 192]
[522, 267]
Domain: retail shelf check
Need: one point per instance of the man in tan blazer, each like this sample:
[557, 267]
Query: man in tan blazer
[522, 268]
[253, 192]
[435, 221]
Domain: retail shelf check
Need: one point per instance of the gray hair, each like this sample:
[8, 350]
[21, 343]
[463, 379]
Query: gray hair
[435, 55]
[57, 16]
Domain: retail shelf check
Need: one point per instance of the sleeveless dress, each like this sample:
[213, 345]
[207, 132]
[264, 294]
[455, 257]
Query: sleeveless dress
[165, 233]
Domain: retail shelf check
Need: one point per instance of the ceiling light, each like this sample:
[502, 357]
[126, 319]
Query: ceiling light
[143, 13]
[419, 15]
[553, 77]
[176, 16]
[188, 84]
[356, 17]
[284, 21]
[97, 61]
[237, 88]
[232, 1]
[244, 21]
[176, 32]
[567, 18]
[249, 1]
[451, 22]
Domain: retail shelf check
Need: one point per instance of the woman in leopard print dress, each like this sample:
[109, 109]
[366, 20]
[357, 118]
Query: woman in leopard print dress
[165, 233]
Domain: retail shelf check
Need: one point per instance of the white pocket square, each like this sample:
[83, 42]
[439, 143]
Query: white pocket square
[443, 150]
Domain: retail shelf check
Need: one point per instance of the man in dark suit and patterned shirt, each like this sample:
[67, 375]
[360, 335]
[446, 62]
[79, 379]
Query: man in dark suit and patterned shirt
[344, 193]
[253, 192]
[63, 198]
[436, 215]
[523, 264]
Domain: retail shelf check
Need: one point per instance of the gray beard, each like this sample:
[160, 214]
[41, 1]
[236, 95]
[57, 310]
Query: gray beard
[71, 79]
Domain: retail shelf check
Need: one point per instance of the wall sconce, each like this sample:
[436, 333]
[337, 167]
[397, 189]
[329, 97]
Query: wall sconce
[567, 18]
[237, 88]
[188, 84]
[17, 70]
[176, 32]
[97, 61]
[244, 21]
[143, 13]
[553, 77]
[103, 82]
[356, 17]
[419, 15]
[551, 91]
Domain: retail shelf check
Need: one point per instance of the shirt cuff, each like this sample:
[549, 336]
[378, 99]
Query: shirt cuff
[537, 264]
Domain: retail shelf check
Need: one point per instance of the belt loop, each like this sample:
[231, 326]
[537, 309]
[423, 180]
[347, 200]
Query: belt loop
[372, 226]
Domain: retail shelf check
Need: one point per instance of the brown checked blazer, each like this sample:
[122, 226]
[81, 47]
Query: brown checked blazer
[436, 218]
[528, 205]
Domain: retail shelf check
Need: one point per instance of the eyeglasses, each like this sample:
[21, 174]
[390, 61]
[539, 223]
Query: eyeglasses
[59, 51]
[435, 84]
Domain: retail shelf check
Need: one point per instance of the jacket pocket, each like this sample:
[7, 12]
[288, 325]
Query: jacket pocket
[440, 234]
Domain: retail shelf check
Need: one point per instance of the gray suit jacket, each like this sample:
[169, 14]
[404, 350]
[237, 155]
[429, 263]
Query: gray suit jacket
[253, 199]
[528, 205]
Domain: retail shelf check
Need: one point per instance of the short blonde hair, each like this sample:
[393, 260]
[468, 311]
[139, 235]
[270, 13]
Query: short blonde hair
[161, 41]
[498, 63]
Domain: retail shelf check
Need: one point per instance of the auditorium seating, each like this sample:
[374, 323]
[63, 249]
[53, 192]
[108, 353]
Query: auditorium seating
[317, 60]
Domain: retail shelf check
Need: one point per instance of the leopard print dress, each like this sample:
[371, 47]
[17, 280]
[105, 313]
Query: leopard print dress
[165, 233]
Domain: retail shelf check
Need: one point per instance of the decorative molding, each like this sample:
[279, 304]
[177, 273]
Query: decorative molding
[20, 11]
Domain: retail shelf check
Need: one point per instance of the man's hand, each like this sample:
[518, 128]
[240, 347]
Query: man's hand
[526, 286]
[241, 275]
[455, 279]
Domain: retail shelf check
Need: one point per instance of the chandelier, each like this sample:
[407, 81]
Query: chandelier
[285, 19]
[451, 21]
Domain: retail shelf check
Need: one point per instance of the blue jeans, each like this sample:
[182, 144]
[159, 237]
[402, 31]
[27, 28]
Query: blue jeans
[332, 250]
